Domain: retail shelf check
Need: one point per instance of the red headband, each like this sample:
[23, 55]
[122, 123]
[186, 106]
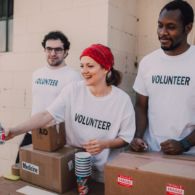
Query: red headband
[101, 54]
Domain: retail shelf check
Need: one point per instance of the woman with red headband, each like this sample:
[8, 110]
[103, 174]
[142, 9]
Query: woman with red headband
[99, 117]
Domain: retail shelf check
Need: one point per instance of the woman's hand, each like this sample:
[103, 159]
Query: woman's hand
[94, 146]
[9, 134]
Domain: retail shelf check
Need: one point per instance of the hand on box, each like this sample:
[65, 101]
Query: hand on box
[171, 147]
[138, 145]
[94, 146]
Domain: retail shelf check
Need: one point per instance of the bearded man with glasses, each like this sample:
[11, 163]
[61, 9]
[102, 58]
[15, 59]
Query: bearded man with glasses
[48, 81]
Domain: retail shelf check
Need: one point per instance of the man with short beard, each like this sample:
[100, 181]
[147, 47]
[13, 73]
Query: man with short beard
[165, 87]
[48, 81]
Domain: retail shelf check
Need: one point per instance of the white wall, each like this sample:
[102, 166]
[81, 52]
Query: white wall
[122, 37]
[83, 21]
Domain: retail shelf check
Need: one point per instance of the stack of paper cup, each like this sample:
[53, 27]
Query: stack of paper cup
[83, 171]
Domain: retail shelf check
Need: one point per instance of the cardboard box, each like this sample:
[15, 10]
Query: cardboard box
[49, 139]
[51, 170]
[150, 174]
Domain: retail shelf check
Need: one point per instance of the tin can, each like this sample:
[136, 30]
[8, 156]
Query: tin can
[2, 135]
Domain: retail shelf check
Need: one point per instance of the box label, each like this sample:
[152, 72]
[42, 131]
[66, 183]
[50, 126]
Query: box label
[125, 181]
[43, 131]
[172, 189]
[30, 168]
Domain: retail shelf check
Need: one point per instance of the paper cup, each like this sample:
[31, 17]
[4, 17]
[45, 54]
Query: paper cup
[82, 185]
[83, 170]
[83, 155]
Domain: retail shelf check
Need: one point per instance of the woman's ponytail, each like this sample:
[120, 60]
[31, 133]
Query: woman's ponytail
[113, 77]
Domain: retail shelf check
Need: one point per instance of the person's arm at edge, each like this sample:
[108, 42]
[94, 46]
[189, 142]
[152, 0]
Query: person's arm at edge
[191, 138]
[141, 115]
[141, 112]
[36, 121]
[174, 147]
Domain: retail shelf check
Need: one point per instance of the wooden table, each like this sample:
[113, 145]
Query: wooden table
[8, 187]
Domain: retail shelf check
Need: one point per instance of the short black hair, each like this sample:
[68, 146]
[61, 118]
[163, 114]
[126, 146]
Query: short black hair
[54, 35]
[187, 13]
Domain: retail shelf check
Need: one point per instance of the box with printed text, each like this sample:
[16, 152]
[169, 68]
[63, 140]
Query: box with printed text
[51, 170]
[150, 174]
[49, 139]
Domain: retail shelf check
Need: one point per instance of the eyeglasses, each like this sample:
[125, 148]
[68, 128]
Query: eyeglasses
[57, 50]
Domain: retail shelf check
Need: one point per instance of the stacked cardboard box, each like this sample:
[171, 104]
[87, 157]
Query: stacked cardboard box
[48, 163]
[49, 139]
[150, 174]
[50, 170]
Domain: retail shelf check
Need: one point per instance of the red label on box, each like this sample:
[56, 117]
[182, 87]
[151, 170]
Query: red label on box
[172, 189]
[125, 181]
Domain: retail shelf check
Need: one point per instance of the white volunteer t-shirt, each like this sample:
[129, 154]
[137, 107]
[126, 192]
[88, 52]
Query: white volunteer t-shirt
[169, 82]
[88, 117]
[47, 83]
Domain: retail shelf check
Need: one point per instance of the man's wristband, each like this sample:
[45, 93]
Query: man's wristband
[186, 145]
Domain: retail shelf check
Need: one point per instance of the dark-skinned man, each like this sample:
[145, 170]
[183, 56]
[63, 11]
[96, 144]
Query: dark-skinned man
[165, 87]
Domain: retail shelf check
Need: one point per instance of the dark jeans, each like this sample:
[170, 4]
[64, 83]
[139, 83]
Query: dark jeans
[27, 140]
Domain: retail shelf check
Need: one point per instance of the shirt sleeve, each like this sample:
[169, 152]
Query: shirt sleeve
[58, 107]
[127, 127]
[139, 84]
